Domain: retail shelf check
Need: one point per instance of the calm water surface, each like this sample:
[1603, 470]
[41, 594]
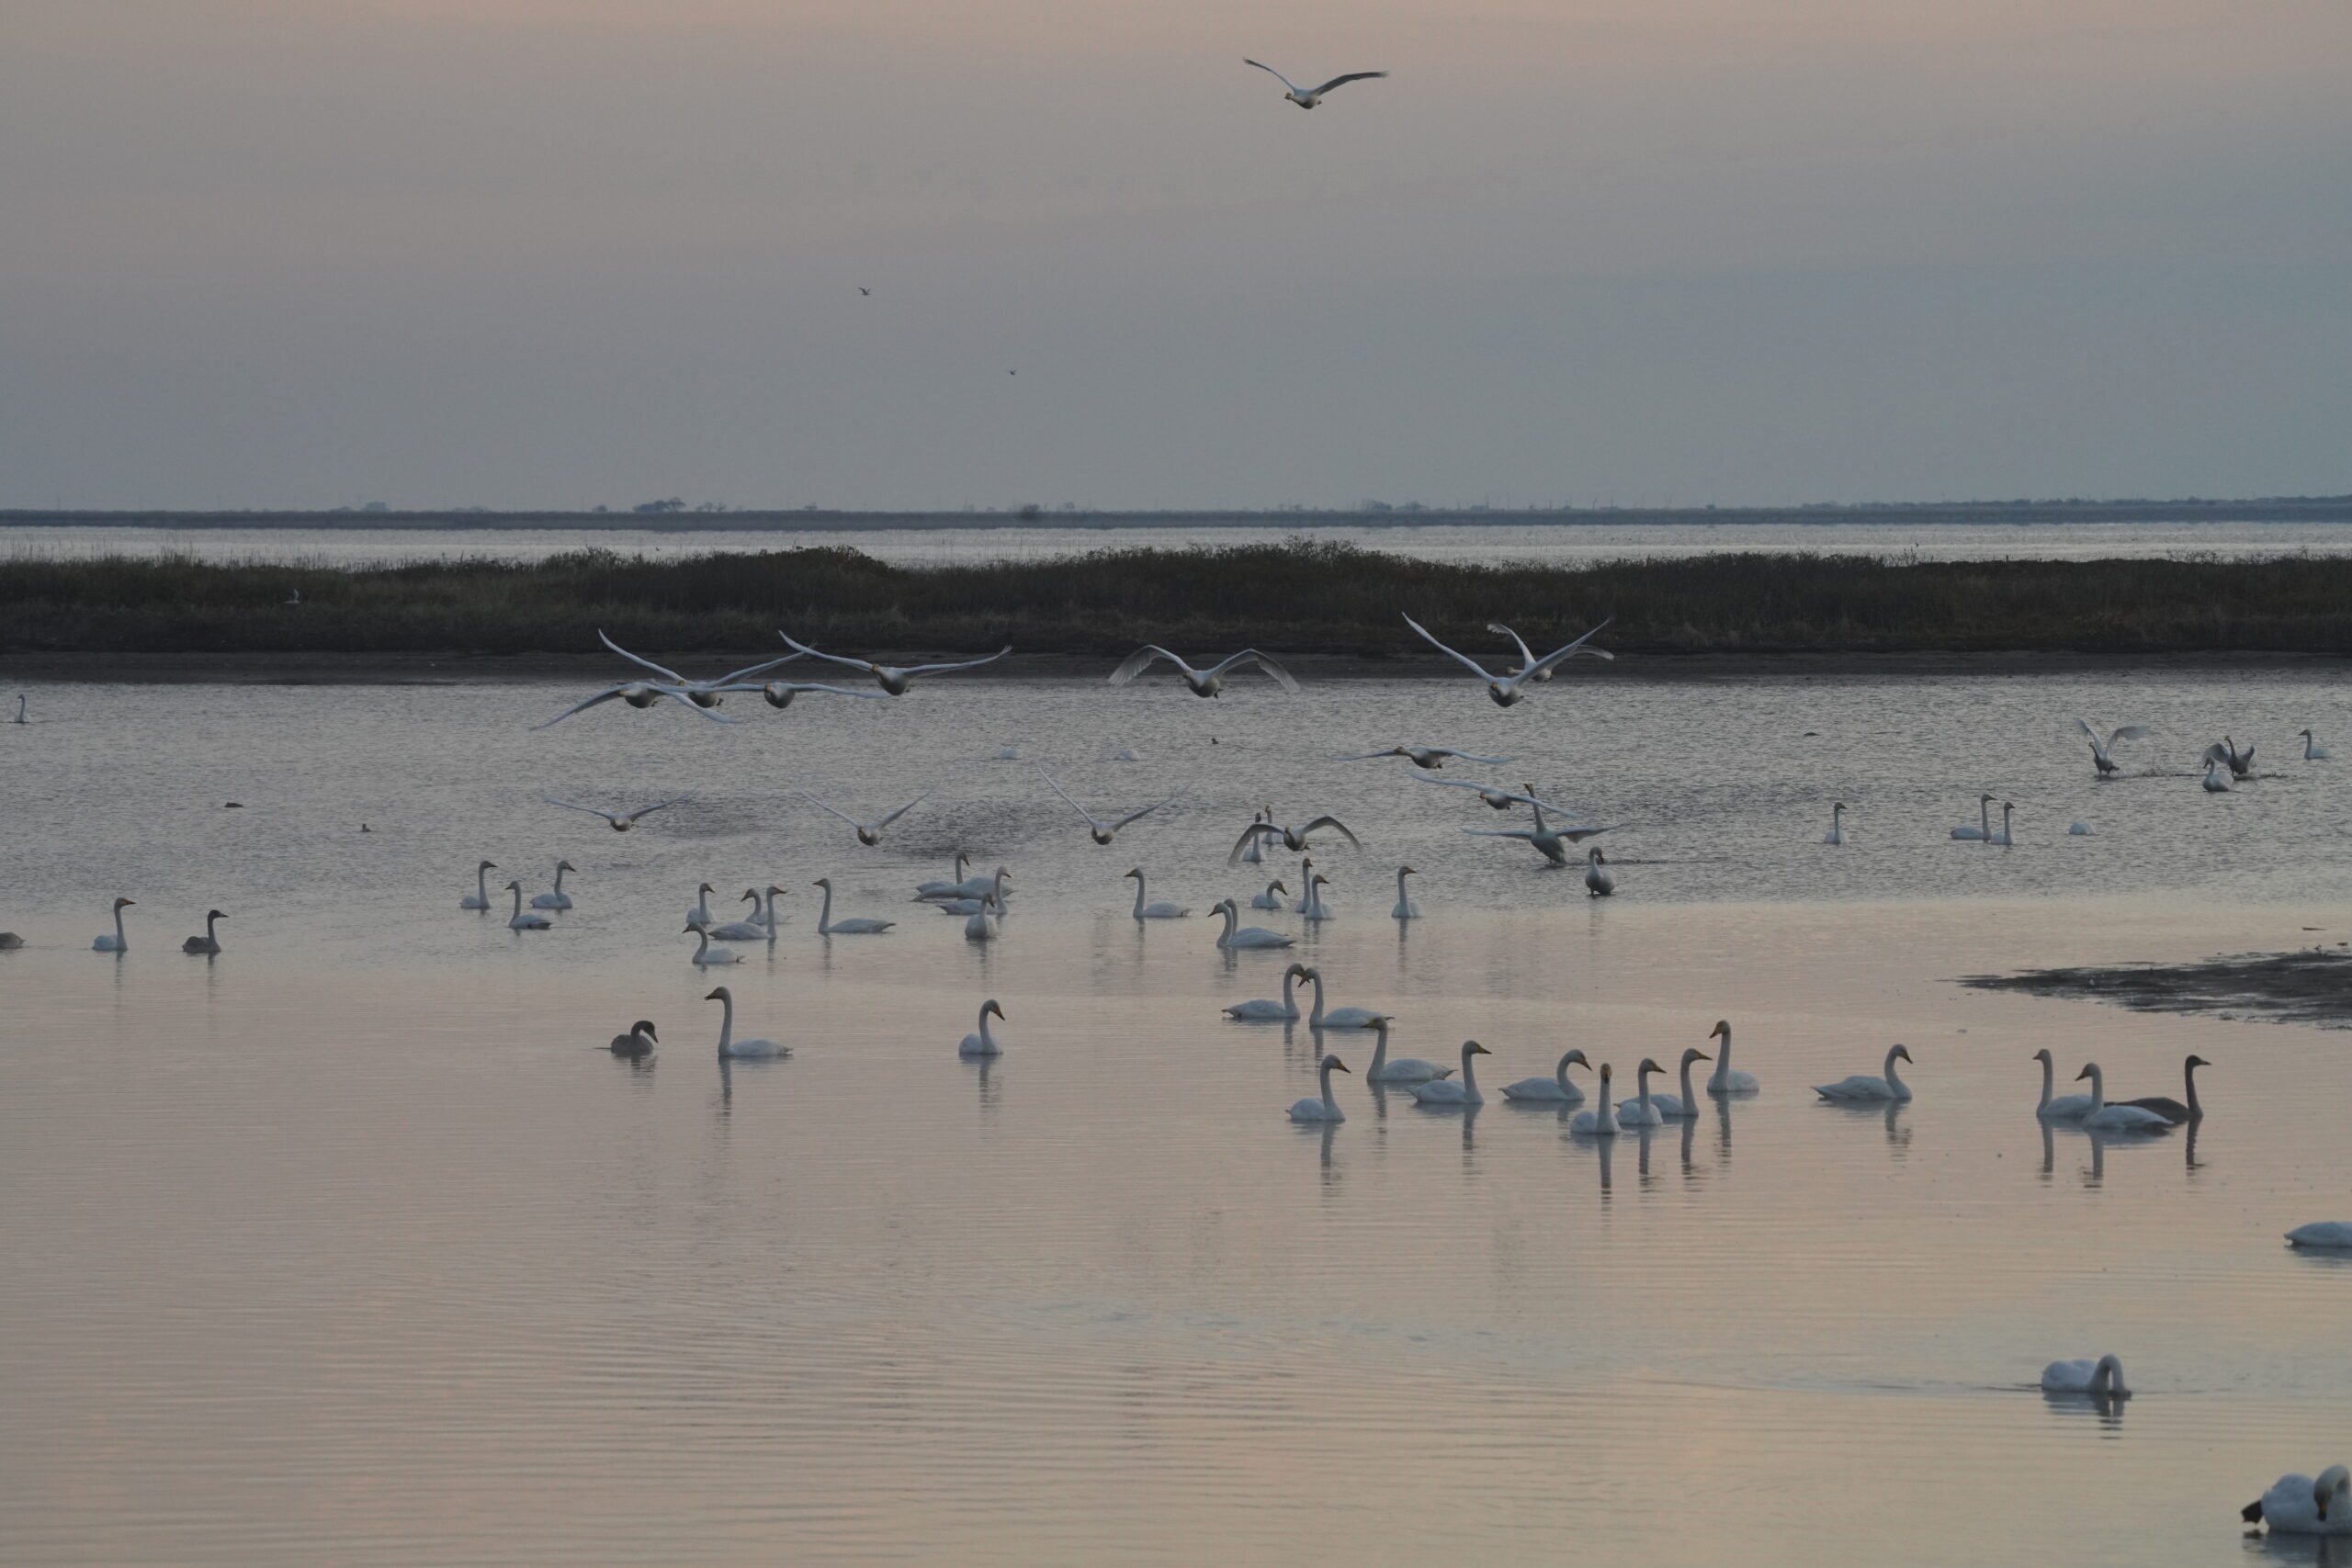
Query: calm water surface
[354, 1245]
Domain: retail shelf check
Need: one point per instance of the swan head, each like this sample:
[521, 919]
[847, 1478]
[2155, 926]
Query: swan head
[824, 881]
[514, 888]
[991, 1006]
[1722, 1030]
[1594, 857]
[1378, 1022]
[1695, 1054]
[2090, 1070]
[1276, 888]
[645, 1026]
[1579, 1057]
[2197, 1061]
[214, 915]
[750, 893]
[487, 865]
[1137, 871]
[2332, 1487]
[1319, 880]
[1471, 1048]
[565, 865]
[1649, 1065]
[1607, 1072]
[1904, 1051]
[2041, 1055]
[1333, 1065]
[720, 994]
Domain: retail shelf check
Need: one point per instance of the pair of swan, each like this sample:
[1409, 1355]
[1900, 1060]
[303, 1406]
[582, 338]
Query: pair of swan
[619, 821]
[1100, 831]
[1321, 1108]
[983, 1044]
[1145, 911]
[702, 697]
[740, 1050]
[953, 896]
[868, 833]
[209, 944]
[1648, 1110]
[860, 926]
[1506, 690]
[894, 679]
[2101, 1379]
[1205, 683]
[115, 940]
[1863, 1090]
[2102, 748]
[2303, 1504]
[2165, 1111]
[1246, 937]
[762, 924]
[558, 899]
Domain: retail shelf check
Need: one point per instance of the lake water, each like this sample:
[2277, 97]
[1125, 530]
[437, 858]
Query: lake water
[1561, 543]
[354, 1245]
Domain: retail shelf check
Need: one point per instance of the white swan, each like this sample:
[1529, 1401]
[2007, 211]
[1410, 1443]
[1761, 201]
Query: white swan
[638, 1042]
[1863, 1088]
[2321, 1232]
[767, 915]
[2106, 1117]
[1102, 833]
[1526, 654]
[1306, 885]
[1337, 1017]
[10, 942]
[2313, 750]
[1292, 839]
[1684, 1106]
[1554, 1090]
[1550, 840]
[1154, 911]
[742, 1050]
[1264, 1011]
[558, 899]
[480, 898]
[1599, 881]
[701, 695]
[894, 677]
[1496, 798]
[990, 900]
[2101, 1379]
[828, 926]
[518, 920]
[1836, 834]
[1404, 1069]
[1452, 1091]
[2216, 781]
[1252, 856]
[983, 1044]
[21, 719]
[1722, 1080]
[1601, 1120]
[115, 940]
[1984, 828]
[209, 942]
[1248, 936]
[2062, 1108]
[1430, 757]
[699, 912]
[749, 929]
[1307, 98]
[2301, 1504]
[1505, 690]
[2003, 836]
[868, 833]
[619, 821]
[707, 956]
[1324, 1109]
[1406, 908]
[951, 888]
[1205, 683]
[1642, 1110]
[2226, 748]
[1315, 909]
[2101, 747]
[989, 886]
[1267, 900]
[983, 924]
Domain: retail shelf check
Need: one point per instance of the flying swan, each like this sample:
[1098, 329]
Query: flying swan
[1307, 99]
[1205, 683]
[1100, 831]
[1430, 757]
[1292, 839]
[1508, 689]
[622, 821]
[868, 833]
[895, 678]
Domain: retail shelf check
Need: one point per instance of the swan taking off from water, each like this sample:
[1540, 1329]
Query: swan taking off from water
[2062, 1108]
[1267, 900]
[1154, 911]
[1684, 1106]
[2107, 1118]
[1430, 757]
[1450, 1091]
[828, 926]
[1292, 839]
[707, 956]
[621, 822]
[742, 1050]
[2102, 1379]
[1248, 936]
[1505, 690]
[209, 942]
[1264, 1011]
[558, 899]
[114, 940]
[1601, 1120]
[1306, 99]
[1551, 841]
[638, 1042]
[1836, 834]
[1324, 1109]
[1102, 833]
[983, 1044]
[1984, 828]
[2172, 1109]
[1554, 1090]
[2299, 1505]
[2313, 750]
[480, 898]
[2101, 749]
[1599, 881]
[1404, 1069]
[1863, 1088]
[1336, 1018]
[868, 833]
[520, 922]
[2321, 1232]
[1406, 908]
[1205, 683]
[893, 678]
[2225, 749]
[1722, 1080]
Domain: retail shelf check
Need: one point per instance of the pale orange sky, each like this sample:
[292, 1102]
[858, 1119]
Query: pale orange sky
[536, 253]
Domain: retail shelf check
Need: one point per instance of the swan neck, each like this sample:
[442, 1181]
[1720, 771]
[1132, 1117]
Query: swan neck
[1470, 1074]
[1688, 1099]
[1324, 1072]
[1892, 1081]
[1138, 896]
[825, 914]
[2098, 1089]
[2189, 1074]
[726, 1022]
[1379, 1054]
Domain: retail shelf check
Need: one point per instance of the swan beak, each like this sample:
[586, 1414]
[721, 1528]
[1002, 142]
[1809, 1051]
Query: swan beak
[1702, 1057]
[1340, 1066]
[2081, 1075]
[712, 998]
[1904, 1051]
[1479, 1050]
[1718, 1031]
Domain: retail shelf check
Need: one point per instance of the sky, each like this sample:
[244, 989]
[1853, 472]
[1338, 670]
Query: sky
[525, 253]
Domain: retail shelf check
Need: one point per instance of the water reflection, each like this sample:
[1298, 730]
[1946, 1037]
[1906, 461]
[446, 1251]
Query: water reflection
[2304, 1550]
[2109, 1411]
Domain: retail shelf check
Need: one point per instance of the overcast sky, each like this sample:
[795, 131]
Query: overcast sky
[554, 253]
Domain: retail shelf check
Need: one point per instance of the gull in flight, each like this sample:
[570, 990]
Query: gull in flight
[623, 821]
[1508, 689]
[1307, 99]
[701, 695]
[2100, 749]
[868, 833]
[1291, 839]
[1550, 841]
[1205, 683]
[1430, 757]
[893, 678]
[1503, 799]
[1103, 832]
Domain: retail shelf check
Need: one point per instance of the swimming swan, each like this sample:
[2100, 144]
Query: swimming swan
[558, 899]
[2003, 836]
[1836, 834]
[2299, 1504]
[699, 912]
[519, 921]
[1267, 900]
[1263, 1011]
[1337, 1017]
[1599, 881]
[2216, 782]
[742, 1050]
[828, 926]
[1863, 1088]
[2106, 1117]
[1554, 1090]
[2172, 1109]
[1984, 828]
[707, 956]
[751, 929]
[1324, 1109]
[2313, 750]
[1722, 1080]
[1316, 909]
[2102, 1379]
[951, 888]
[1230, 939]
[209, 942]
[1601, 1120]
[1642, 1110]
[2321, 1232]
[638, 1042]
[1451, 1092]
[2064, 1108]
[1684, 1106]
[480, 898]
[1154, 911]
[115, 940]
[983, 1044]
[1404, 1069]
[1406, 908]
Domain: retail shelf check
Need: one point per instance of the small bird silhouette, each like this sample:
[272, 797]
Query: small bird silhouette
[865, 291]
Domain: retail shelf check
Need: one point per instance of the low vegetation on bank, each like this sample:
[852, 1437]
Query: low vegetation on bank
[1300, 598]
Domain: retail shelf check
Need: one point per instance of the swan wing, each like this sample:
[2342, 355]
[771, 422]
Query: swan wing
[960, 664]
[799, 686]
[1375, 756]
[1272, 71]
[2084, 725]
[831, 658]
[1525, 833]
[1145, 811]
[1283, 677]
[604, 697]
[1466, 757]
[1074, 805]
[590, 810]
[909, 805]
[2129, 732]
[677, 696]
[822, 807]
[1465, 660]
[1553, 659]
[1442, 783]
[1343, 81]
[633, 658]
[1136, 663]
[1526, 654]
[750, 670]
[1336, 825]
[658, 805]
[1250, 835]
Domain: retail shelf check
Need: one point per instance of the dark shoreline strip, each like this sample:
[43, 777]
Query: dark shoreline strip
[2308, 987]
